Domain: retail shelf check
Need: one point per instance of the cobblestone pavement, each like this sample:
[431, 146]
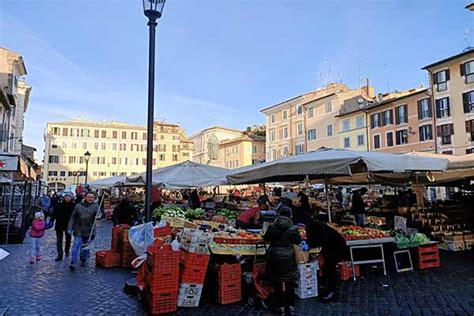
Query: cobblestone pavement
[49, 288]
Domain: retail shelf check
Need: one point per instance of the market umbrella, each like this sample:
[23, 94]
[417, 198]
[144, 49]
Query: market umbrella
[187, 174]
[106, 182]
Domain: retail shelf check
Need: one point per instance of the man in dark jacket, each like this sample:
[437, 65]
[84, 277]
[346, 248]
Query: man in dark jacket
[61, 214]
[125, 213]
[333, 250]
[281, 261]
[81, 225]
[358, 206]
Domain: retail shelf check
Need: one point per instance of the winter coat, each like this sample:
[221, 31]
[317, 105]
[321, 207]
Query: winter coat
[358, 204]
[82, 219]
[124, 214]
[61, 214]
[37, 228]
[319, 234]
[281, 262]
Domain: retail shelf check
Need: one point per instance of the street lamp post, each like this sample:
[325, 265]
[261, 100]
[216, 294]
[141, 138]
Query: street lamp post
[87, 157]
[152, 10]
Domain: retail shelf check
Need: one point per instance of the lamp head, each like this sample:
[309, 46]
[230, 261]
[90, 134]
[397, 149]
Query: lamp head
[87, 156]
[153, 8]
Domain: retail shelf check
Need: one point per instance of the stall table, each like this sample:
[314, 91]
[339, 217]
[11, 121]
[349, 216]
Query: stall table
[368, 243]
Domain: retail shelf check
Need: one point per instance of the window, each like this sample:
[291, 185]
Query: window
[312, 134]
[401, 137]
[162, 147]
[254, 149]
[103, 146]
[65, 131]
[360, 121]
[360, 140]
[347, 142]
[311, 112]
[447, 152]
[104, 134]
[54, 144]
[467, 69]
[96, 133]
[442, 108]
[162, 157]
[185, 154]
[445, 131]
[53, 173]
[74, 132]
[114, 134]
[346, 125]
[272, 118]
[424, 109]
[284, 114]
[56, 131]
[375, 120]
[285, 132]
[114, 160]
[299, 149]
[144, 136]
[62, 173]
[389, 139]
[469, 151]
[440, 79]
[124, 135]
[376, 141]
[53, 159]
[74, 145]
[175, 148]
[468, 101]
[123, 161]
[329, 107]
[470, 128]
[272, 135]
[134, 135]
[426, 133]
[84, 132]
[72, 159]
[387, 117]
[96, 146]
[102, 173]
[299, 110]
[162, 137]
[154, 136]
[64, 145]
[401, 115]
[84, 145]
[300, 128]
[114, 146]
[175, 157]
[329, 130]
[123, 147]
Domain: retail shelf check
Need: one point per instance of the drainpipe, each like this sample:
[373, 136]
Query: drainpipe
[433, 112]
[305, 129]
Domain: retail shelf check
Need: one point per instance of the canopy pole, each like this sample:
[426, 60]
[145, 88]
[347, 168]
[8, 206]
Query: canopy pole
[328, 202]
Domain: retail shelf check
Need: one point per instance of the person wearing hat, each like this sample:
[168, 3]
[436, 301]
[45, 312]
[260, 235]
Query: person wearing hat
[61, 215]
[36, 234]
[281, 261]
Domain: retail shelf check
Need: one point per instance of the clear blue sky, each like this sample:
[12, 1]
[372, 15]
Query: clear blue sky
[218, 61]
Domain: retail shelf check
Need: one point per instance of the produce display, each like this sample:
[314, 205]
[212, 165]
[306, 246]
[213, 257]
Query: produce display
[361, 233]
[236, 236]
[412, 240]
[193, 214]
[227, 213]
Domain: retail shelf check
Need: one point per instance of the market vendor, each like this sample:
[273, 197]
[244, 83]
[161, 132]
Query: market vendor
[333, 250]
[248, 219]
[358, 206]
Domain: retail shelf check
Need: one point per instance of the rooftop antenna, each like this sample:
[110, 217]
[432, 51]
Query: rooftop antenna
[467, 34]
[386, 77]
[359, 73]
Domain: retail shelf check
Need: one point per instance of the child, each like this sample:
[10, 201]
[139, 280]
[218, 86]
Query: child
[36, 233]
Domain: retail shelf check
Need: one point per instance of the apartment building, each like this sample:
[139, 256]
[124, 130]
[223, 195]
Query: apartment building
[402, 122]
[242, 151]
[452, 89]
[308, 121]
[115, 148]
[206, 144]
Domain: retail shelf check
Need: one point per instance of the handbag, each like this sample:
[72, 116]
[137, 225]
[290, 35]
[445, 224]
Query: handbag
[49, 222]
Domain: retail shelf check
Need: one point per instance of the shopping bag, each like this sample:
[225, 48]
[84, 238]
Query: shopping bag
[141, 237]
[49, 223]
[300, 255]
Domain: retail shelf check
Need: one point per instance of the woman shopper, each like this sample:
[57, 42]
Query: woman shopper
[281, 262]
[80, 226]
[36, 233]
[61, 214]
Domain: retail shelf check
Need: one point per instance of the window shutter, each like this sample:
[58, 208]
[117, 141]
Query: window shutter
[463, 69]
[405, 112]
[397, 137]
[435, 78]
[465, 102]
[372, 121]
[468, 126]
[451, 129]
[430, 110]
[449, 108]
[383, 119]
[447, 74]
[439, 131]
[397, 116]
[420, 131]
[391, 116]
[419, 110]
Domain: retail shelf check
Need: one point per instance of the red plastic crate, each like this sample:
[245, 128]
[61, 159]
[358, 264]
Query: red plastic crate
[161, 303]
[194, 259]
[428, 250]
[162, 231]
[229, 294]
[162, 284]
[429, 264]
[346, 271]
[194, 275]
[164, 260]
[107, 258]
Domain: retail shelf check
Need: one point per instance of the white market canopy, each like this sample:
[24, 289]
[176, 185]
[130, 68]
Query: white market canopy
[187, 174]
[328, 163]
[106, 182]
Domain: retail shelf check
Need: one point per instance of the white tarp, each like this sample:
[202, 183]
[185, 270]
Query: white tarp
[333, 163]
[187, 174]
[106, 182]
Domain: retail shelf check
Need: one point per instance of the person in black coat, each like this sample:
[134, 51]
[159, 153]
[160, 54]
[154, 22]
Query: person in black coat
[358, 206]
[333, 250]
[61, 214]
[281, 261]
[194, 201]
[124, 213]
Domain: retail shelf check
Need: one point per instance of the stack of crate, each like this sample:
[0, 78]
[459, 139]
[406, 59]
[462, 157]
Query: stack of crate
[427, 256]
[193, 266]
[112, 258]
[345, 270]
[161, 279]
[128, 254]
[229, 281]
[306, 285]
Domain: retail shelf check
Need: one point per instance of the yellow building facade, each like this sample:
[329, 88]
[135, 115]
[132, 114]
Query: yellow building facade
[116, 149]
[242, 151]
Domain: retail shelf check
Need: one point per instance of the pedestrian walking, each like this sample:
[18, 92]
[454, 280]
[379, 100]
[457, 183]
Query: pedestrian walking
[81, 226]
[281, 261]
[45, 202]
[36, 233]
[125, 213]
[61, 214]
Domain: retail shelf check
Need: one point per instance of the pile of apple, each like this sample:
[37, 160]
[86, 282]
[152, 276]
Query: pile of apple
[361, 233]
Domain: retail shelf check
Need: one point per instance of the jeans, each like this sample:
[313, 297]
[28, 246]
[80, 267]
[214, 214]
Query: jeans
[359, 218]
[287, 298]
[77, 251]
[35, 246]
[59, 242]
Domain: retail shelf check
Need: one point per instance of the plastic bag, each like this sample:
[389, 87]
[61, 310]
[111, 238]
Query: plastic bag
[400, 224]
[140, 237]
